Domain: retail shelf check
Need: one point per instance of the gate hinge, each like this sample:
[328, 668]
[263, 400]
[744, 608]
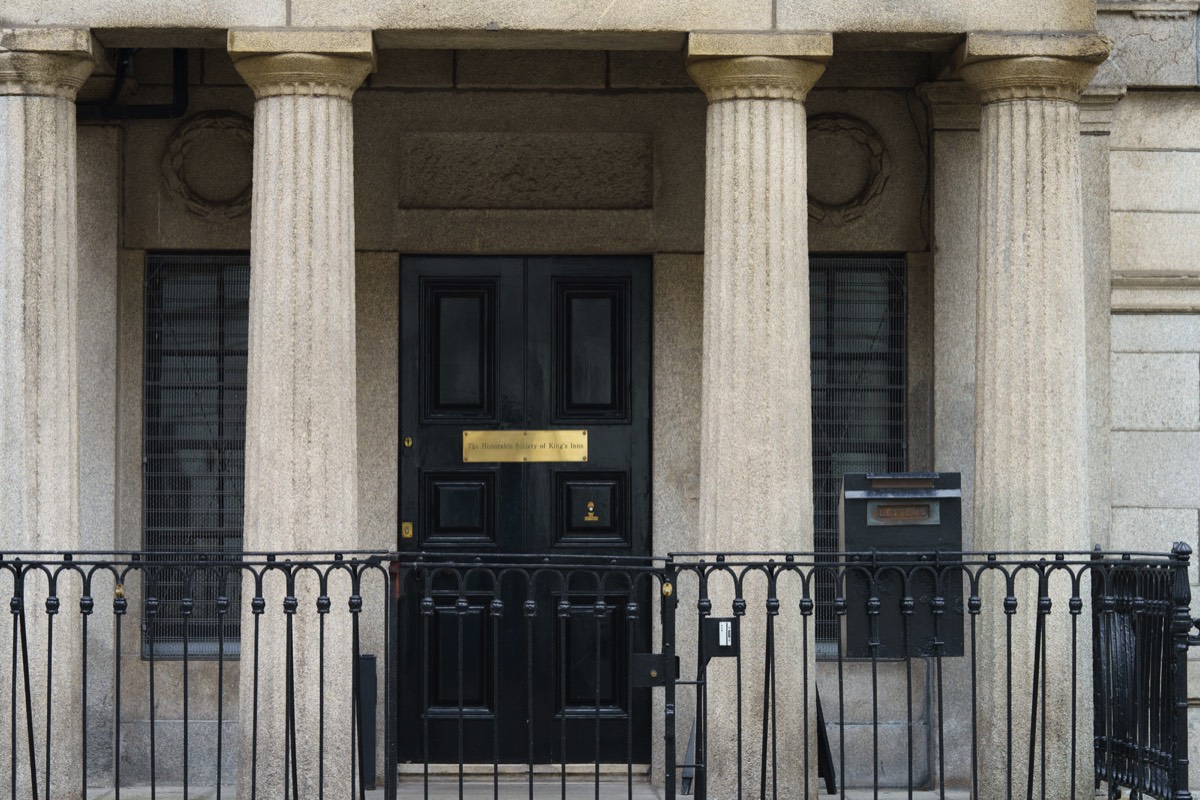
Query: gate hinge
[653, 669]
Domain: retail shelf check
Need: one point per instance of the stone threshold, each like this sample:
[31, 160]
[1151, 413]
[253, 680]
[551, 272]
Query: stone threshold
[520, 771]
[445, 787]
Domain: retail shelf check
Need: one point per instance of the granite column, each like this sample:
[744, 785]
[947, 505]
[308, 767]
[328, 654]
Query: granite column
[301, 428]
[756, 430]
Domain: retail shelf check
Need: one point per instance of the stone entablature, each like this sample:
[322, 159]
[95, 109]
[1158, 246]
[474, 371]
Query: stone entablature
[578, 24]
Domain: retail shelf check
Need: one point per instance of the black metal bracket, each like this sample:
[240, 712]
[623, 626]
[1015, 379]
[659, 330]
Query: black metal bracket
[653, 669]
[721, 637]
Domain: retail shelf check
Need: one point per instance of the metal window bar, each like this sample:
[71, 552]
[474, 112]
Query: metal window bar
[858, 311]
[194, 394]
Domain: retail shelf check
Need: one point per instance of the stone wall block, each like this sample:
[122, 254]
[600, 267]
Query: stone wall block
[1158, 469]
[1155, 530]
[1152, 50]
[1159, 391]
[1165, 333]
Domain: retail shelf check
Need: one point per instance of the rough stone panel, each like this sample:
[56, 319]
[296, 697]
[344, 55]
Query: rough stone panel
[413, 69]
[1156, 333]
[129, 369]
[1096, 171]
[526, 170]
[674, 120]
[1145, 240]
[1157, 120]
[1156, 392]
[652, 69]
[1155, 181]
[1156, 530]
[1156, 470]
[523, 69]
[1152, 51]
[1194, 739]
[377, 302]
[168, 753]
[678, 310]
[892, 690]
[892, 754]
[377, 298]
[168, 689]
[955, 273]
[581, 232]
[98, 157]
[99, 225]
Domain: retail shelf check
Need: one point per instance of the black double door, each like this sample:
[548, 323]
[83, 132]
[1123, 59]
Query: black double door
[523, 346]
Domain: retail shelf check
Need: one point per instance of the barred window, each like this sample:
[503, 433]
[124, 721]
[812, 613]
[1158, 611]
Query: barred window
[858, 392]
[193, 446]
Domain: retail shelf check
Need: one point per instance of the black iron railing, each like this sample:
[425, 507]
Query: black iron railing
[1139, 666]
[1002, 675]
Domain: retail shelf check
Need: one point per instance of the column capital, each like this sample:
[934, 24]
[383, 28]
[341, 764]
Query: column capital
[1030, 67]
[757, 65]
[47, 62]
[302, 62]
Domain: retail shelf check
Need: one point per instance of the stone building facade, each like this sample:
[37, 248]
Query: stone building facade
[1032, 166]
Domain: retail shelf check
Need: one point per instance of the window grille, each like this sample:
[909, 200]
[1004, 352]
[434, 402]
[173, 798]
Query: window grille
[193, 444]
[858, 392]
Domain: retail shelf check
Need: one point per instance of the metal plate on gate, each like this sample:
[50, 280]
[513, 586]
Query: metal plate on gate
[506, 446]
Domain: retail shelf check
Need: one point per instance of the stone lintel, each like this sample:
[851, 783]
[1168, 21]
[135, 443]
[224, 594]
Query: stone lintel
[809, 46]
[302, 62]
[50, 62]
[1030, 67]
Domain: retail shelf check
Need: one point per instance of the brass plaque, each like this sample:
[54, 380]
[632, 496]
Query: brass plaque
[494, 446]
[890, 512]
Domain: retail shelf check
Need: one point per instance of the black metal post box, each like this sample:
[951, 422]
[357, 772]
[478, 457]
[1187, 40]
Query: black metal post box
[902, 535]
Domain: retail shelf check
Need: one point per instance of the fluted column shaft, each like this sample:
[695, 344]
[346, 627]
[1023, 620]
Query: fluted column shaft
[301, 425]
[1031, 442]
[756, 429]
[40, 73]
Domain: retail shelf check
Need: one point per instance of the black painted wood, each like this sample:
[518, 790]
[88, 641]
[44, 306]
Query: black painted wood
[516, 343]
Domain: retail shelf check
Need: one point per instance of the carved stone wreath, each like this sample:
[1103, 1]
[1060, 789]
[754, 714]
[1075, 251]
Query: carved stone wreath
[207, 128]
[879, 167]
